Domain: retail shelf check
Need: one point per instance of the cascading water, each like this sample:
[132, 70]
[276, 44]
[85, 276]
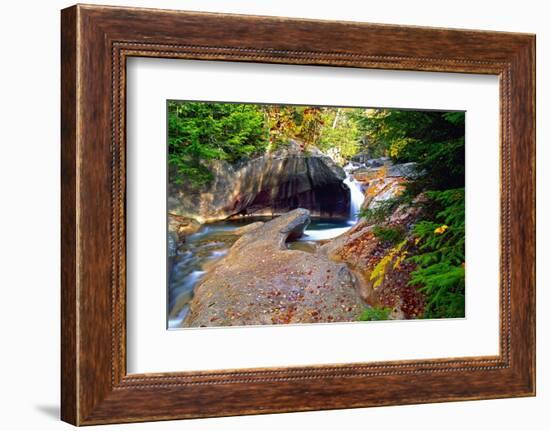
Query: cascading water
[356, 194]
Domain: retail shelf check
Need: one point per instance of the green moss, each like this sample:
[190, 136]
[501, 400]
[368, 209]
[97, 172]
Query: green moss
[375, 313]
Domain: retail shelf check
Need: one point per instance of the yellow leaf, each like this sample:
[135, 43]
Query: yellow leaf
[441, 229]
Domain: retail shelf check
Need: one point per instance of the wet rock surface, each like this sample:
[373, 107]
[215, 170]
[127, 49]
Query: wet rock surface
[261, 281]
[382, 190]
[178, 228]
[384, 167]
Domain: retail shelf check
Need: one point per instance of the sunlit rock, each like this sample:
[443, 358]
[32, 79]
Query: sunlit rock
[272, 184]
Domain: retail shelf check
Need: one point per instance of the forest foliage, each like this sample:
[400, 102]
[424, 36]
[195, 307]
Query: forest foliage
[199, 132]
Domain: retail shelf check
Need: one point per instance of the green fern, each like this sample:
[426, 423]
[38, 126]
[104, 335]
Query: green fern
[388, 234]
[440, 274]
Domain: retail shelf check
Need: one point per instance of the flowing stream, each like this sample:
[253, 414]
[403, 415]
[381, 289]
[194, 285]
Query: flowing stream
[213, 241]
[357, 196]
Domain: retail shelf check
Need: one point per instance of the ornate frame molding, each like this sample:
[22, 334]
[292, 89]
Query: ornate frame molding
[96, 41]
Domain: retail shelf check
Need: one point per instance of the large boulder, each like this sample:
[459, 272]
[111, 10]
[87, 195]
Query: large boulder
[385, 168]
[261, 281]
[272, 184]
[404, 170]
[178, 228]
[382, 190]
[383, 180]
[182, 226]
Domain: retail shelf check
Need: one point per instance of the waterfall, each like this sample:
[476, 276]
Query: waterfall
[356, 194]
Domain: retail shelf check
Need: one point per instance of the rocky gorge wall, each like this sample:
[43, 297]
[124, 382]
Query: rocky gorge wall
[272, 184]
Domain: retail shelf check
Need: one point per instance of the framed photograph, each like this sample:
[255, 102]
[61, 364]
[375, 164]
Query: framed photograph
[264, 214]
